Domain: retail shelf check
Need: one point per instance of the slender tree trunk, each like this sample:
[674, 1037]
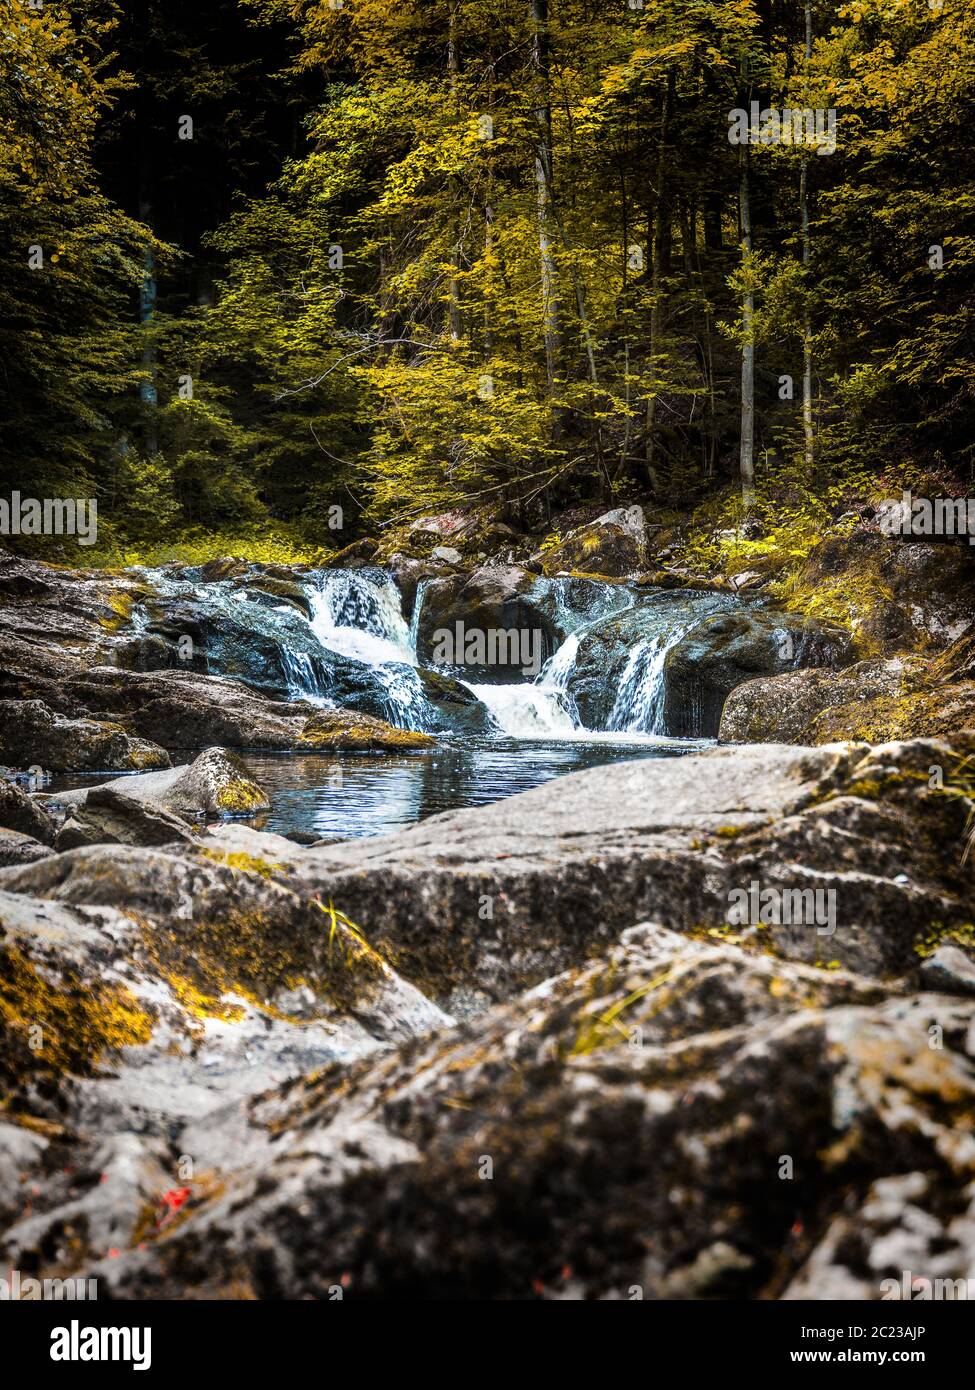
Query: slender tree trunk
[660, 253]
[147, 313]
[748, 348]
[453, 67]
[551, 316]
[807, 356]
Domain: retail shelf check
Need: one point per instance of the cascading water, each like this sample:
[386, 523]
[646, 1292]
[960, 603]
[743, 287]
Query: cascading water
[355, 649]
[358, 615]
[639, 706]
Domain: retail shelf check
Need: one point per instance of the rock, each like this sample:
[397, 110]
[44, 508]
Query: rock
[948, 968]
[216, 783]
[607, 648]
[339, 728]
[408, 573]
[729, 648]
[494, 599]
[360, 552]
[17, 848]
[108, 816]
[902, 596]
[639, 1109]
[32, 734]
[228, 1002]
[875, 701]
[21, 812]
[446, 554]
[453, 708]
[603, 547]
[162, 987]
[182, 709]
[568, 865]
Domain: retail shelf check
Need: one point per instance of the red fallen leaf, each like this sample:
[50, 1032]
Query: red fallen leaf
[172, 1200]
[797, 1228]
[538, 1286]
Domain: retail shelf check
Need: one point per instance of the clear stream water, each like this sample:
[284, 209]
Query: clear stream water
[534, 732]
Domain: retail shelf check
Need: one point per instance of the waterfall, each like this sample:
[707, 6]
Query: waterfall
[356, 650]
[639, 706]
[541, 709]
[358, 616]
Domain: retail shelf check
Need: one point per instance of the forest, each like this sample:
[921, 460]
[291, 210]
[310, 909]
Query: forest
[264, 258]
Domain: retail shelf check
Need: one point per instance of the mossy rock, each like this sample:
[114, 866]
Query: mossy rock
[348, 729]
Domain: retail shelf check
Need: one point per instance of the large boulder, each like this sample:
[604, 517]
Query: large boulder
[614, 545]
[342, 728]
[729, 648]
[23, 813]
[493, 600]
[17, 848]
[900, 595]
[566, 866]
[216, 783]
[875, 701]
[683, 1119]
[32, 735]
[608, 648]
[143, 990]
[240, 1008]
[108, 816]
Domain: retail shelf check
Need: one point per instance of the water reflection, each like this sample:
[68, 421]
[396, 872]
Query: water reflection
[349, 795]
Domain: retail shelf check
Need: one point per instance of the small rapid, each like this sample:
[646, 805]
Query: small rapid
[348, 644]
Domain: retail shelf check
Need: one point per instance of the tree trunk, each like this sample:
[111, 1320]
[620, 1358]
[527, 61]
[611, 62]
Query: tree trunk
[453, 67]
[661, 255]
[807, 357]
[748, 348]
[147, 312]
[551, 316]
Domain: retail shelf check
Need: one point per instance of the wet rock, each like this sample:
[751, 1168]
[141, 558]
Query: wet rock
[453, 707]
[875, 701]
[22, 813]
[494, 599]
[108, 816]
[607, 648]
[340, 728]
[31, 734]
[729, 648]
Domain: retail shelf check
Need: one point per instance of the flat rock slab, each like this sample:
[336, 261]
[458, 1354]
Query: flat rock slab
[496, 898]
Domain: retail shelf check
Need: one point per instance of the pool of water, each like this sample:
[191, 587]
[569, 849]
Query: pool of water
[352, 794]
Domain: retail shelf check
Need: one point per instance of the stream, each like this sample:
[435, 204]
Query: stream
[601, 694]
